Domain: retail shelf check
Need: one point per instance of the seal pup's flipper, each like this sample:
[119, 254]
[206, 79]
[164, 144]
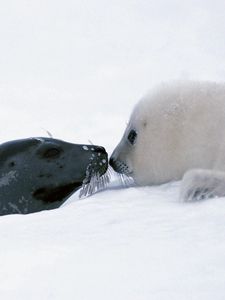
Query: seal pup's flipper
[200, 184]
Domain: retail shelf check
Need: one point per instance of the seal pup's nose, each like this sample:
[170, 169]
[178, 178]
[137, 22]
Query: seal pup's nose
[111, 161]
[114, 164]
[119, 166]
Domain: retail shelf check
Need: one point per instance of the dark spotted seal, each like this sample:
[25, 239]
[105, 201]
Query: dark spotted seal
[41, 173]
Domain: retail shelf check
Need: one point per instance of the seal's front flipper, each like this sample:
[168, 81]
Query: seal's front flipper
[200, 184]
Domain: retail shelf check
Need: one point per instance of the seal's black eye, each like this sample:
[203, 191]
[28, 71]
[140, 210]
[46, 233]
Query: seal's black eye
[51, 153]
[132, 136]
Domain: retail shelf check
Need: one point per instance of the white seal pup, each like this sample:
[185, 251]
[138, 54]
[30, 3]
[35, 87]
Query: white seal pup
[177, 131]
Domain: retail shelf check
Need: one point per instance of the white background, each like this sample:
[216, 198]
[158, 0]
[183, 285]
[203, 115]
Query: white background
[76, 68]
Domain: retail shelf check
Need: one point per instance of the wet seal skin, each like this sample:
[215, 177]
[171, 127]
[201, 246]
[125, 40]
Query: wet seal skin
[41, 173]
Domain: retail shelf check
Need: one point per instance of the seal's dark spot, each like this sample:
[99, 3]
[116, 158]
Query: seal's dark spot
[49, 194]
[50, 150]
[11, 164]
[52, 153]
[47, 175]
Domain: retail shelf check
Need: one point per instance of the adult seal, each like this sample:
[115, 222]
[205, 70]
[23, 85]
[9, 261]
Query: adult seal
[41, 173]
[177, 131]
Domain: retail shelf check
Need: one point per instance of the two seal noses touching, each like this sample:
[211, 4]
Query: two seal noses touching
[174, 133]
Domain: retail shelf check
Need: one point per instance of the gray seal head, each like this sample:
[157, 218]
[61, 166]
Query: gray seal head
[41, 173]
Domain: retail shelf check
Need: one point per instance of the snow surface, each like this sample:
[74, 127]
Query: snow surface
[75, 69]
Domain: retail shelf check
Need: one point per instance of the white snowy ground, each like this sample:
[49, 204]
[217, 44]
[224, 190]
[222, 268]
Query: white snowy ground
[76, 68]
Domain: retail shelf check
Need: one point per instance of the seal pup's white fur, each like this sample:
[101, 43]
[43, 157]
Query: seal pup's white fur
[177, 130]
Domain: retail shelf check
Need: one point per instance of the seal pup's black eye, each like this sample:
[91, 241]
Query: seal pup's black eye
[52, 153]
[132, 136]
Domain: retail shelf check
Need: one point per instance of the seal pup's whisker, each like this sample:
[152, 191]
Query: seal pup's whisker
[125, 180]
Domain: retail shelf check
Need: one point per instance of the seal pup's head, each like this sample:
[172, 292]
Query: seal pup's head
[41, 173]
[131, 155]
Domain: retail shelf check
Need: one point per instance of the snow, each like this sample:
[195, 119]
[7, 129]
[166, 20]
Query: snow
[138, 243]
[76, 69]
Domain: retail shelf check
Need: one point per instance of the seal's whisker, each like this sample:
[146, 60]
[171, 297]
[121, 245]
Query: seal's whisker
[125, 180]
[95, 184]
[48, 133]
[110, 172]
[89, 141]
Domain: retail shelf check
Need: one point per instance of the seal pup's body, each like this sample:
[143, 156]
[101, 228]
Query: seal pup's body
[41, 173]
[178, 127]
